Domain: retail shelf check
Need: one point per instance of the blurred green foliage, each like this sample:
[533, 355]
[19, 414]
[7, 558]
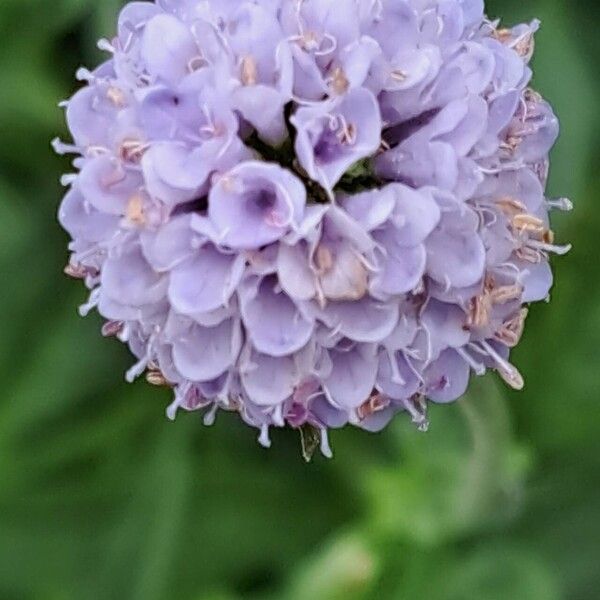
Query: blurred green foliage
[101, 497]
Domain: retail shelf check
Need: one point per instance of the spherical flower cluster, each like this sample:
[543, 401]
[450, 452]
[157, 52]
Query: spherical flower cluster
[312, 212]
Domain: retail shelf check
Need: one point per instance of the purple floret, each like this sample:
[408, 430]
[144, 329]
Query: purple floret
[312, 212]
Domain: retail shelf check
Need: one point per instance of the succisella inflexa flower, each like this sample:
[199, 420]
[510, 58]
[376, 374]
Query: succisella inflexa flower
[312, 212]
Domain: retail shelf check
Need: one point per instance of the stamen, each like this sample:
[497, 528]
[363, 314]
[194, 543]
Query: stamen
[384, 146]
[338, 81]
[134, 372]
[134, 212]
[506, 293]
[563, 204]
[347, 133]
[373, 405]
[545, 247]
[79, 271]
[417, 408]
[508, 372]
[511, 331]
[156, 378]
[125, 334]
[95, 151]
[197, 63]
[277, 416]
[510, 206]
[116, 96]
[275, 219]
[211, 129]
[263, 439]
[61, 148]
[478, 367]
[505, 166]
[365, 262]
[325, 447]
[513, 378]
[211, 416]
[525, 46]
[548, 236]
[138, 368]
[529, 255]
[249, 71]
[502, 35]
[94, 299]
[399, 75]
[511, 143]
[84, 74]
[325, 50]
[112, 328]
[309, 41]
[321, 299]
[174, 407]
[479, 311]
[323, 259]
[132, 150]
[106, 46]
[396, 375]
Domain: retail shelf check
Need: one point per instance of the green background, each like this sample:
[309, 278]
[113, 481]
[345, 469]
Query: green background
[101, 497]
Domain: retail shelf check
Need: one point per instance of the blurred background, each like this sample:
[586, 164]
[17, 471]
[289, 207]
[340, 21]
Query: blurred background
[101, 497]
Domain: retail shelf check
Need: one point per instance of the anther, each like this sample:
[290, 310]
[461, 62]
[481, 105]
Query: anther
[511, 331]
[323, 259]
[512, 377]
[249, 71]
[548, 236]
[156, 378]
[339, 82]
[197, 63]
[508, 372]
[506, 293]
[525, 46]
[528, 223]
[417, 408]
[79, 271]
[347, 133]
[399, 75]
[116, 96]
[376, 403]
[309, 41]
[112, 328]
[132, 151]
[529, 255]
[134, 212]
[479, 311]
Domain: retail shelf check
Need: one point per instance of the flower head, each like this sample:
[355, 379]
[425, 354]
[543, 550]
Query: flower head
[314, 212]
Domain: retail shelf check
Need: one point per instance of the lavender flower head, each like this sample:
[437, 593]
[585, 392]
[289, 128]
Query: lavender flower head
[312, 212]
